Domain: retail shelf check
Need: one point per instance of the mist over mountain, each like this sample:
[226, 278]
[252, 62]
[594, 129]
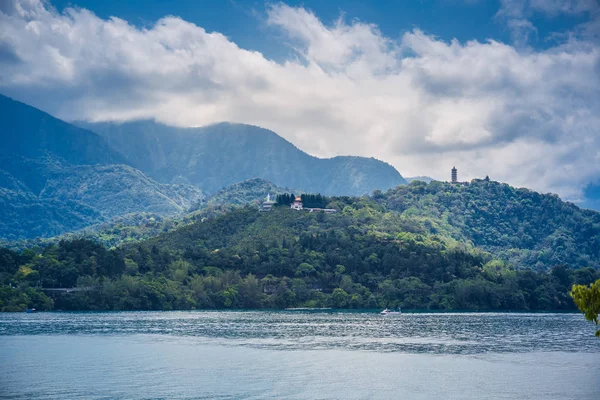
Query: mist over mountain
[219, 155]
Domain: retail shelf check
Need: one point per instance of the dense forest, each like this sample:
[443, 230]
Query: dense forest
[519, 226]
[436, 246]
[138, 226]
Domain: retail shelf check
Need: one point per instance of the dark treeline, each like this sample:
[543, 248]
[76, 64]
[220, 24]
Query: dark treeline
[308, 200]
[361, 257]
[314, 200]
[285, 199]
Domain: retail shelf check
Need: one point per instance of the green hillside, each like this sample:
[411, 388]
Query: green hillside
[250, 191]
[417, 247]
[524, 227]
[73, 197]
[135, 225]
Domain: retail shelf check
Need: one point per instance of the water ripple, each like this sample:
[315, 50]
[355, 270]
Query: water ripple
[459, 333]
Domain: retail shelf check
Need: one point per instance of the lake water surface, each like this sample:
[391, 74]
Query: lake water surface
[297, 355]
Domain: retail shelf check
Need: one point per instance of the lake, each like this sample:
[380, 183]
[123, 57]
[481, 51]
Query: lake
[297, 355]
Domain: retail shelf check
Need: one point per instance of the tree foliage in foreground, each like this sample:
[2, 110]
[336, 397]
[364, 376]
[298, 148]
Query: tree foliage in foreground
[587, 299]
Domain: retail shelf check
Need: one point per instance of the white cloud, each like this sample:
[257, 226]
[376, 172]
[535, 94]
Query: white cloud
[355, 48]
[527, 117]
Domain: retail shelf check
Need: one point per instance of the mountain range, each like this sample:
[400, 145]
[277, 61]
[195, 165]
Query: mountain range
[56, 177]
[219, 155]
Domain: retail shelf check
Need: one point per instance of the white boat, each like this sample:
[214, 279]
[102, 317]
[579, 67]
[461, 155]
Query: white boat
[391, 312]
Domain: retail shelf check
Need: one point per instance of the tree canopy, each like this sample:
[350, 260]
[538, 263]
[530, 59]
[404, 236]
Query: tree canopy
[361, 257]
[587, 299]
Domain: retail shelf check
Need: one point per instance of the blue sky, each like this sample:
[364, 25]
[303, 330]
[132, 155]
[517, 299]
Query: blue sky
[507, 88]
[244, 20]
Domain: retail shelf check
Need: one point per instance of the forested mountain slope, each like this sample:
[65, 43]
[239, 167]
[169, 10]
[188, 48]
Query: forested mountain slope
[361, 257]
[74, 197]
[525, 229]
[55, 178]
[30, 133]
[520, 225]
[216, 156]
[135, 226]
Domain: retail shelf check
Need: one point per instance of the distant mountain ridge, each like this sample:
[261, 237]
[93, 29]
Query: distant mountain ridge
[219, 155]
[56, 178]
[591, 196]
[31, 133]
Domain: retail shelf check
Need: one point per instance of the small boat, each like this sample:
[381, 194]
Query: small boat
[391, 312]
[30, 310]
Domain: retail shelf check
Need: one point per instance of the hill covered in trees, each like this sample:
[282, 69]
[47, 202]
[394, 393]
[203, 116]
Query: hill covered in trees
[419, 246]
[72, 197]
[250, 191]
[523, 227]
[135, 225]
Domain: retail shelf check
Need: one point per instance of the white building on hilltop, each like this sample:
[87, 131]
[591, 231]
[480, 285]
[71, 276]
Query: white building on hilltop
[297, 204]
[267, 205]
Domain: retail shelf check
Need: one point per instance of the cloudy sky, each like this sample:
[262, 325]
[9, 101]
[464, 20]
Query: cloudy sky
[509, 89]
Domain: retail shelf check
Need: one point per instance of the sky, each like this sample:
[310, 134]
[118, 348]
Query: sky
[507, 88]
